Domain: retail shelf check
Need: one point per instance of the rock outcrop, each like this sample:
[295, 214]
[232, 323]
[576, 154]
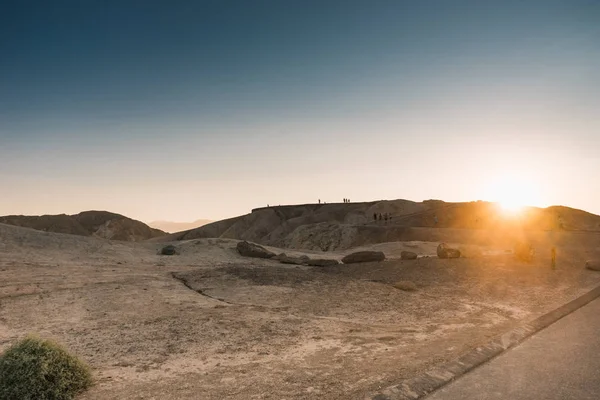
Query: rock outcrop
[445, 251]
[363, 256]
[168, 250]
[248, 249]
[322, 262]
[285, 259]
[408, 255]
[593, 265]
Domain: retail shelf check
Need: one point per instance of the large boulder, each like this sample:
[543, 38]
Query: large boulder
[248, 249]
[363, 256]
[594, 265]
[280, 256]
[322, 262]
[445, 251]
[168, 250]
[408, 255]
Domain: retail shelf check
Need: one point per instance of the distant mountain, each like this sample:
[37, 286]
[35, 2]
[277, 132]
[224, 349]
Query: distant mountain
[102, 224]
[172, 227]
[336, 226]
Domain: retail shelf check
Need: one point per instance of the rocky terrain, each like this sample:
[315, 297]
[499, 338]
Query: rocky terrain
[296, 302]
[100, 224]
[341, 226]
[206, 322]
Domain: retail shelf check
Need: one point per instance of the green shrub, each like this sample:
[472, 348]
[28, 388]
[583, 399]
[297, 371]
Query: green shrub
[36, 369]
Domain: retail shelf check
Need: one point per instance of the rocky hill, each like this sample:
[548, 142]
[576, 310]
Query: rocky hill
[344, 225]
[102, 224]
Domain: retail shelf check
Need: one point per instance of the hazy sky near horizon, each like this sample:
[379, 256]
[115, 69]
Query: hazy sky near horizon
[179, 110]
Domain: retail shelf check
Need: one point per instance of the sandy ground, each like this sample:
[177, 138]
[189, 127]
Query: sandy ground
[209, 324]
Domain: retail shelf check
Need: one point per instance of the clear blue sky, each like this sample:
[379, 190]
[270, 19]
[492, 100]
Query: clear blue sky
[189, 109]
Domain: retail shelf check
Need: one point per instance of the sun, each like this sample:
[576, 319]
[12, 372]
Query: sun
[513, 193]
[511, 206]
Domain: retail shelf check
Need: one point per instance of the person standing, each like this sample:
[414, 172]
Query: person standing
[553, 256]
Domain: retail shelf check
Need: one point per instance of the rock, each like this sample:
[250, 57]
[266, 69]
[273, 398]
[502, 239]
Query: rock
[444, 251]
[408, 255]
[322, 262]
[407, 286]
[594, 265]
[363, 256]
[280, 256]
[168, 250]
[293, 260]
[248, 249]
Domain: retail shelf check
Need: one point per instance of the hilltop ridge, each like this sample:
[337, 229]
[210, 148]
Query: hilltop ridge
[336, 226]
[101, 224]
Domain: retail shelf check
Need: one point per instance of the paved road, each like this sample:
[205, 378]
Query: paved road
[560, 362]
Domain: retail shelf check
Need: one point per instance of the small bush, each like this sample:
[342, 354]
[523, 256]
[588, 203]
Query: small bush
[36, 369]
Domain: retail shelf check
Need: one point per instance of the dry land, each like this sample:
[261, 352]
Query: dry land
[210, 324]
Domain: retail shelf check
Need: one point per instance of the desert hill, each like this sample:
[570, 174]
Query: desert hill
[340, 226]
[133, 314]
[101, 224]
[172, 227]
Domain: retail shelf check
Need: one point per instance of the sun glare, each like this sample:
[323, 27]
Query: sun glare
[511, 206]
[513, 193]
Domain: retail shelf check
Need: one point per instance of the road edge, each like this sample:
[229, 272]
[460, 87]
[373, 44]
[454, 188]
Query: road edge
[421, 386]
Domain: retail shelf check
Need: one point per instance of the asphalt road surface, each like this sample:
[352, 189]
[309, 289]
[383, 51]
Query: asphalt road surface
[559, 362]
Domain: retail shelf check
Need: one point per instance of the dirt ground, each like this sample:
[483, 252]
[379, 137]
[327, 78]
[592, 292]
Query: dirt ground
[209, 324]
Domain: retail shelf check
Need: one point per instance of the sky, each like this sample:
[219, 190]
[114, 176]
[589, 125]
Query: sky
[179, 110]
